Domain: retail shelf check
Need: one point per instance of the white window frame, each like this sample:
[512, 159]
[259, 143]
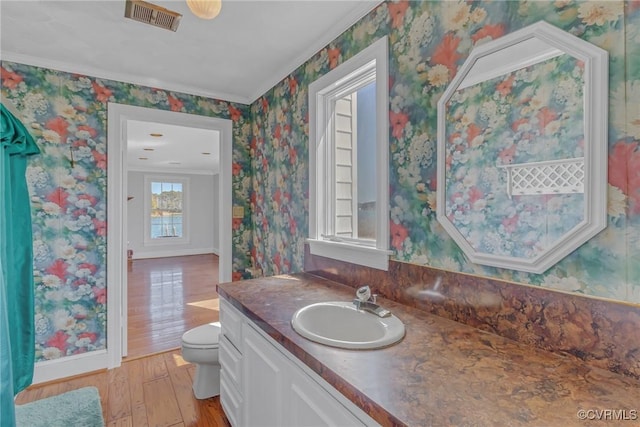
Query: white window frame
[369, 253]
[184, 240]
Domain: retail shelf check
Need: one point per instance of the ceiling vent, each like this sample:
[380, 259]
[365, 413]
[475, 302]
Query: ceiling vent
[151, 14]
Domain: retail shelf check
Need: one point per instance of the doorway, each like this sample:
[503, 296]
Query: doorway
[118, 117]
[168, 296]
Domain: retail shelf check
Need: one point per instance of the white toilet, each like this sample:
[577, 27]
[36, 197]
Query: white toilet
[200, 347]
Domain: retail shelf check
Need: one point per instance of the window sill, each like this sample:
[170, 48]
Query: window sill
[167, 241]
[355, 254]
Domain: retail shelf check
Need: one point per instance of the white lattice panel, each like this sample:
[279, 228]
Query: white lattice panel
[549, 177]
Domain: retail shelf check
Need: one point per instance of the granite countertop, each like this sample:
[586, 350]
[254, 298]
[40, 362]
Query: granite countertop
[442, 373]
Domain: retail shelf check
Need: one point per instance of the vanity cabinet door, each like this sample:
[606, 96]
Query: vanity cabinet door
[264, 375]
[311, 405]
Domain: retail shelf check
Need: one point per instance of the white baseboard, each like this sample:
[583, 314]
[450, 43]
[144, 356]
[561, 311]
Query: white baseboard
[172, 252]
[64, 367]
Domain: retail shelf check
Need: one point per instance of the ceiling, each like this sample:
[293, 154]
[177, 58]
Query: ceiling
[176, 149]
[237, 56]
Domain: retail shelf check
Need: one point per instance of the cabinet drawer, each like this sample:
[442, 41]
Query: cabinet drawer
[230, 400]
[231, 361]
[231, 323]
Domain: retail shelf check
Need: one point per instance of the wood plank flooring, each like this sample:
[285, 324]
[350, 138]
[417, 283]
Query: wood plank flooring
[168, 296]
[152, 391]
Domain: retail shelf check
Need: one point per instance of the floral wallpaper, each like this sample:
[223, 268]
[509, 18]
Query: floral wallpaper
[627, 145]
[428, 42]
[532, 115]
[67, 114]
[280, 201]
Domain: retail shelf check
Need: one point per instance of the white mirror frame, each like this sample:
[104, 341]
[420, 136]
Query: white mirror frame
[596, 100]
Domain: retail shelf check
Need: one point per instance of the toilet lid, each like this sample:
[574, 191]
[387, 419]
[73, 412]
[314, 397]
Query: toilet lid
[205, 335]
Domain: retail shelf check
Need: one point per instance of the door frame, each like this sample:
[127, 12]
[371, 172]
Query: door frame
[118, 115]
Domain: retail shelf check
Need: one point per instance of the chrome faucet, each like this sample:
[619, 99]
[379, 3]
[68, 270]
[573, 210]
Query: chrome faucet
[367, 302]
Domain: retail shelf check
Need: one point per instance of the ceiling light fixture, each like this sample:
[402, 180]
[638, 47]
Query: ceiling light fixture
[205, 9]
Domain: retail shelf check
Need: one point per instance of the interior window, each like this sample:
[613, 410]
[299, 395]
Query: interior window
[166, 209]
[166, 213]
[355, 163]
[349, 160]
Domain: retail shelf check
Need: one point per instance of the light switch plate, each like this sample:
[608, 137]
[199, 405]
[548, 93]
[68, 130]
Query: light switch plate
[238, 212]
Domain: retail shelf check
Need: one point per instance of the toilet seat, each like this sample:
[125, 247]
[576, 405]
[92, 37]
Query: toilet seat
[202, 337]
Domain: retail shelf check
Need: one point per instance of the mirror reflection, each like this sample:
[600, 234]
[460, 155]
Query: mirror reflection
[514, 149]
[503, 194]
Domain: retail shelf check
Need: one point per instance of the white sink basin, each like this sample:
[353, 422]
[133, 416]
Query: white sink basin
[340, 324]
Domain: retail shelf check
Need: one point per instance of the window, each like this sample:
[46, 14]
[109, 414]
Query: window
[165, 210]
[348, 158]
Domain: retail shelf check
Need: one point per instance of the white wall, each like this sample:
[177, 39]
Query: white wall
[203, 214]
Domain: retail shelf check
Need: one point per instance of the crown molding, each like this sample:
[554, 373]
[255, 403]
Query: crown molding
[74, 68]
[268, 82]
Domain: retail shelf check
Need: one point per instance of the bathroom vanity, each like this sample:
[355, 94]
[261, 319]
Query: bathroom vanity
[263, 384]
[441, 373]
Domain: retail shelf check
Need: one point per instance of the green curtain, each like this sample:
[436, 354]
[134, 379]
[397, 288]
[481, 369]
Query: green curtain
[7, 416]
[17, 336]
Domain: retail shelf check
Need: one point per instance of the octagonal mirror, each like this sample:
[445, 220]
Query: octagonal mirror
[522, 149]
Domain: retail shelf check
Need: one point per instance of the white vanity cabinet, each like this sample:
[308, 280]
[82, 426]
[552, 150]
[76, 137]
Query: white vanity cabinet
[311, 405]
[262, 384]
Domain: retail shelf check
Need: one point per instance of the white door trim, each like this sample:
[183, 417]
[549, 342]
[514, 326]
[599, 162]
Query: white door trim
[118, 115]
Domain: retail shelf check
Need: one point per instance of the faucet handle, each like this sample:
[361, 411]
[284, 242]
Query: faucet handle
[363, 293]
[374, 298]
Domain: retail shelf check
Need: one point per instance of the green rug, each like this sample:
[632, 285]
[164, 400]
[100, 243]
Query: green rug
[77, 408]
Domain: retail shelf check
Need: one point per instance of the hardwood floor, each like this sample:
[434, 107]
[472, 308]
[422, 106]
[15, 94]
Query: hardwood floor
[145, 392]
[168, 296]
